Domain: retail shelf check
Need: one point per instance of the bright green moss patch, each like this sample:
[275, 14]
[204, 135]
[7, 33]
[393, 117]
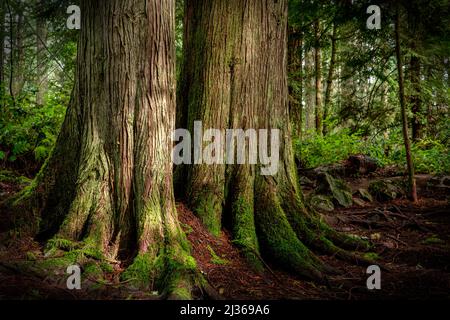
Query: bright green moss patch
[92, 270]
[215, 259]
[244, 233]
[432, 240]
[208, 209]
[141, 272]
[371, 256]
[181, 293]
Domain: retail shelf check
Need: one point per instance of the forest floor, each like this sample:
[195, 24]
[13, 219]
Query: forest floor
[411, 243]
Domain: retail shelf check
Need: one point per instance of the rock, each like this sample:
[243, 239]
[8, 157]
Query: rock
[359, 202]
[385, 190]
[305, 181]
[321, 202]
[337, 188]
[446, 181]
[365, 194]
[361, 164]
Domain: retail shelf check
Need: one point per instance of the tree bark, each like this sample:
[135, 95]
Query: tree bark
[310, 95]
[295, 67]
[108, 182]
[41, 44]
[18, 49]
[409, 161]
[318, 77]
[237, 76]
[2, 46]
[415, 99]
[330, 78]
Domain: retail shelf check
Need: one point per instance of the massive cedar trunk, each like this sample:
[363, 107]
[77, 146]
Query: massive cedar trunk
[108, 182]
[235, 76]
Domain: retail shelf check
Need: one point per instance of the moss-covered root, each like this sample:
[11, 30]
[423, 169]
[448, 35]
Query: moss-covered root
[244, 232]
[279, 241]
[339, 239]
[315, 234]
[172, 272]
[207, 206]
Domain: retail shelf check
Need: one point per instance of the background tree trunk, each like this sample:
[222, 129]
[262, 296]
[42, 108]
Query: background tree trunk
[310, 94]
[2, 46]
[318, 77]
[409, 161]
[330, 78]
[18, 51]
[108, 182]
[415, 99]
[295, 67]
[41, 55]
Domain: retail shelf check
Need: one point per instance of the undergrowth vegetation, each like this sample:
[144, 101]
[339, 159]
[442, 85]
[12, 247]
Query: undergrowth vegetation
[430, 155]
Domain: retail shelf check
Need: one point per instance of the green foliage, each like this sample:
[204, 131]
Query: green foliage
[429, 155]
[29, 130]
[321, 150]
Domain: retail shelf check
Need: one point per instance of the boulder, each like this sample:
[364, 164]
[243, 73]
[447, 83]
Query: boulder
[385, 190]
[321, 202]
[335, 187]
[365, 195]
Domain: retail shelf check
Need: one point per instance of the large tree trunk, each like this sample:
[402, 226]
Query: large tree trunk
[108, 183]
[409, 161]
[235, 71]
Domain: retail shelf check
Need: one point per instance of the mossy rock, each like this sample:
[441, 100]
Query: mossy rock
[359, 202]
[321, 203]
[365, 195]
[305, 181]
[340, 191]
[385, 190]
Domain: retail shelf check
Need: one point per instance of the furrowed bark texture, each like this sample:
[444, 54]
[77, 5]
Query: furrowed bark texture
[318, 77]
[108, 182]
[235, 76]
[330, 79]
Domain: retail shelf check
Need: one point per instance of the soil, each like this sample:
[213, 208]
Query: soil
[411, 244]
